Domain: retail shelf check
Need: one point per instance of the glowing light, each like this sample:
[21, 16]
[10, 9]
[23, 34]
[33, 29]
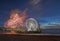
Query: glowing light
[17, 19]
[31, 24]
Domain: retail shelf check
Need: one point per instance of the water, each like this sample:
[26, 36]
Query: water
[46, 31]
[51, 31]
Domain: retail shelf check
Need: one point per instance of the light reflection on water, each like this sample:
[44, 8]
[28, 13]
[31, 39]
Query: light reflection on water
[46, 31]
[51, 31]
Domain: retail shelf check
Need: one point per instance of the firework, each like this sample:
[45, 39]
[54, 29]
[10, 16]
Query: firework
[16, 20]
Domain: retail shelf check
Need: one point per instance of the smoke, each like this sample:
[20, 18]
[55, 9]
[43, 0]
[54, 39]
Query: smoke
[35, 2]
[17, 19]
[34, 8]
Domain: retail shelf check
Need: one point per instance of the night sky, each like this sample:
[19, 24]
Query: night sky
[46, 12]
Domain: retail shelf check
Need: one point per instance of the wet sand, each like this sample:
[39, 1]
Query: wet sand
[29, 37]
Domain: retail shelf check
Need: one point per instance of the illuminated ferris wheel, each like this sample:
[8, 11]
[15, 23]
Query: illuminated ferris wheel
[31, 24]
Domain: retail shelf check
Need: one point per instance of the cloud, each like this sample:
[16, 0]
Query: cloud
[34, 8]
[35, 2]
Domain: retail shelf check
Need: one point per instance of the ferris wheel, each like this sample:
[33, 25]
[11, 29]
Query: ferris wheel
[31, 24]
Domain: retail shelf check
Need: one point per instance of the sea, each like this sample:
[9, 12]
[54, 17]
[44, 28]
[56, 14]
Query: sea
[44, 31]
[50, 31]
